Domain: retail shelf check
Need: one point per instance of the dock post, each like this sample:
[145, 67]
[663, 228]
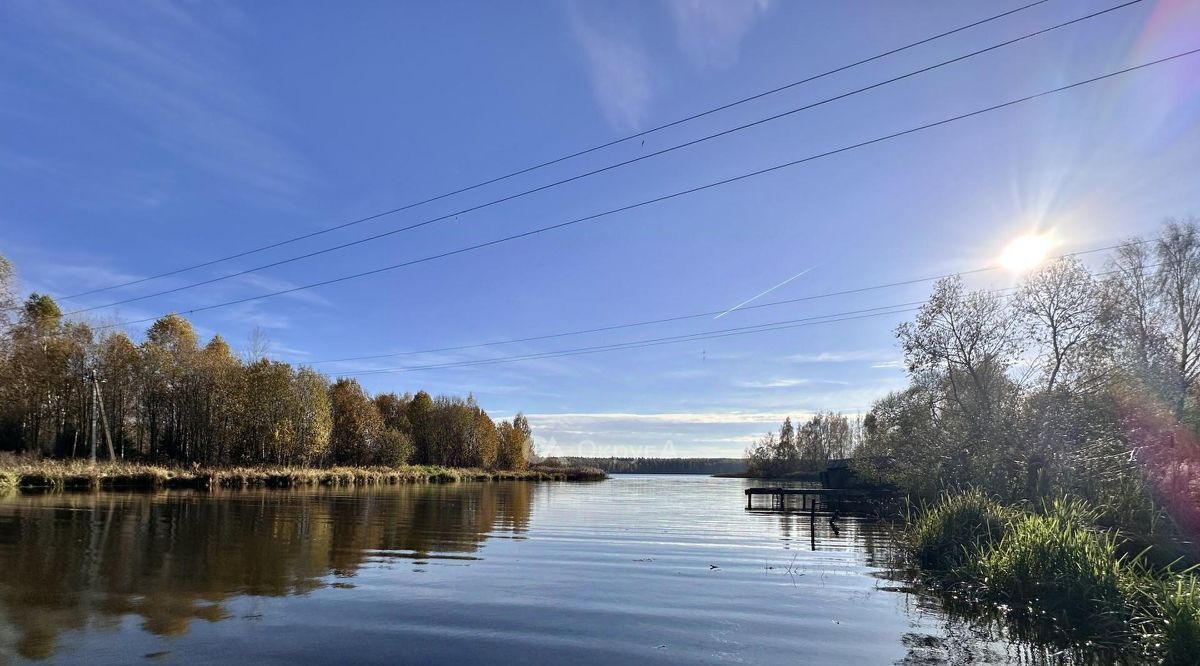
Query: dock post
[812, 526]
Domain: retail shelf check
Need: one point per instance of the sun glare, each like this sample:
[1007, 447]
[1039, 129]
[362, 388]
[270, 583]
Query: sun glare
[1026, 253]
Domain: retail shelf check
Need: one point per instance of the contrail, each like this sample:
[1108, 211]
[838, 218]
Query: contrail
[760, 295]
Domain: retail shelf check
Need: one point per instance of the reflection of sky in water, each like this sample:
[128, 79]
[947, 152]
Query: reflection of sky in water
[647, 569]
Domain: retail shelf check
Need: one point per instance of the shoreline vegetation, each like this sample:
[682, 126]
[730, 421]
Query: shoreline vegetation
[1049, 440]
[55, 475]
[1055, 576]
[643, 465]
[1051, 437]
[74, 389]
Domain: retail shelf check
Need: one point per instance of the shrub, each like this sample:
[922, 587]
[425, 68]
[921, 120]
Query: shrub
[956, 528]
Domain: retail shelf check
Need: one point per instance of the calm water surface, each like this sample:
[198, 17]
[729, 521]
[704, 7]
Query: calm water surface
[637, 569]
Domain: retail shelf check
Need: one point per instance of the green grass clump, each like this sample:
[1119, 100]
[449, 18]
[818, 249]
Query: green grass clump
[956, 529]
[1170, 614]
[1059, 576]
[1054, 567]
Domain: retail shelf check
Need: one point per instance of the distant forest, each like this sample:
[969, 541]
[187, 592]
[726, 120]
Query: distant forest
[170, 398]
[661, 465]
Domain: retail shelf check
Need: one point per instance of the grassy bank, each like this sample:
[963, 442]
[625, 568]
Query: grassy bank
[73, 475]
[1056, 575]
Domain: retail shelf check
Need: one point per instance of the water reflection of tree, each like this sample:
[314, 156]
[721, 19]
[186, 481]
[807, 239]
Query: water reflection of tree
[71, 561]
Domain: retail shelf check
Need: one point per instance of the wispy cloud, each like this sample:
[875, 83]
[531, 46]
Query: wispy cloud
[259, 283]
[173, 68]
[625, 76]
[848, 356]
[618, 66]
[788, 382]
[710, 32]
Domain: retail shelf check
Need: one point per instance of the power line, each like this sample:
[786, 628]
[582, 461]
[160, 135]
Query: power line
[697, 315]
[653, 342]
[610, 167]
[711, 185]
[564, 158]
[899, 308]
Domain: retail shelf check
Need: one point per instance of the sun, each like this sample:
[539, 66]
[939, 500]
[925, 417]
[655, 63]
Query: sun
[1026, 252]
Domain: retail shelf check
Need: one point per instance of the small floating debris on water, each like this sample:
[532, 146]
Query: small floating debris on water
[157, 655]
[713, 566]
[344, 586]
[644, 559]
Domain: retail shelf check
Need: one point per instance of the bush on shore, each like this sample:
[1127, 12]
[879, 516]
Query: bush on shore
[1055, 569]
[1057, 566]
[956, 528]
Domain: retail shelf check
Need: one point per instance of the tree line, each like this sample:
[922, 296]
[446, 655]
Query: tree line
[808, 449]
[169, 398]
[615, 465]
[1076, 382]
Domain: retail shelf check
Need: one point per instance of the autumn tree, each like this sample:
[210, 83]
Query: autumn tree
[357, 425]
[268, 427]
[420, 415]
[170, 399]
[515, 439]
[117, 365]
[168, 381]
[312, 417]
[41, 388]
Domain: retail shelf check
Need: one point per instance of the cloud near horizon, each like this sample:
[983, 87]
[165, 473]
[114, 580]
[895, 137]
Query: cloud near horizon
[653, 435]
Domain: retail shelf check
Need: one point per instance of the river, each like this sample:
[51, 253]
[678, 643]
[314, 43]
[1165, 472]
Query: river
[636, 569]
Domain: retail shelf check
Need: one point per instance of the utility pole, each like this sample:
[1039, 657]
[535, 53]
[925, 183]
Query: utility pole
[92, 381]
[112, 455]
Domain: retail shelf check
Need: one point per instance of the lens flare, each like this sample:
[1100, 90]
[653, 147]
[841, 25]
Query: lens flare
[1026, 253]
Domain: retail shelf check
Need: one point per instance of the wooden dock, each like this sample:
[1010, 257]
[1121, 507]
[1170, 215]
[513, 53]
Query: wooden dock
[811, 498]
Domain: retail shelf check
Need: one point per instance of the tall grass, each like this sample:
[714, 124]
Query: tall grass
[76, 475]
[1057, 567]
[945, 535]
[1058, 575]
[1169, 614]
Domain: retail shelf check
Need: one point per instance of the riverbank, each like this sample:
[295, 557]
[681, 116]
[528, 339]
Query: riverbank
[1055, 575]
[74, 475]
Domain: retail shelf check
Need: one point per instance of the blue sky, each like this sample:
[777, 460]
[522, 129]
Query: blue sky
[141, 137]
